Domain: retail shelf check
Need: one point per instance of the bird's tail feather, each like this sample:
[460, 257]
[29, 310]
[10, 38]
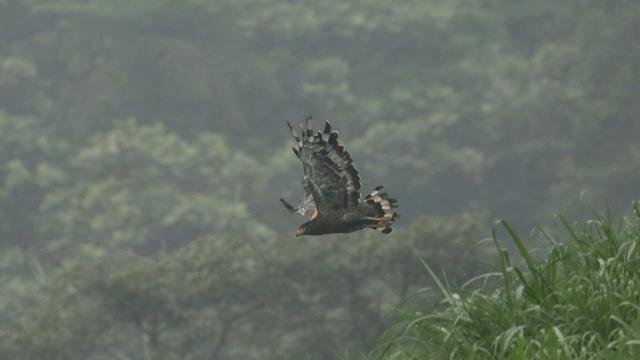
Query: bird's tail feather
[383, 205]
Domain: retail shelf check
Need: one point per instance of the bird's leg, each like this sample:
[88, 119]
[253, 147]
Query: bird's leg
[376, 218]
[378, 225]
[314, 214]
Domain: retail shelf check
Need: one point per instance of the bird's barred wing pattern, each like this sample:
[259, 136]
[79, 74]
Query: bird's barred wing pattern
[329, 174]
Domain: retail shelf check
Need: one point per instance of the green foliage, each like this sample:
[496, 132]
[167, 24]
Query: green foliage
[580, 302]
[145, 188]
[143, 150]
[206, 298]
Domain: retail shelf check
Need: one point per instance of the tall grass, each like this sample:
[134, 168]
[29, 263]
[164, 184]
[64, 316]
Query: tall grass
[580, 302]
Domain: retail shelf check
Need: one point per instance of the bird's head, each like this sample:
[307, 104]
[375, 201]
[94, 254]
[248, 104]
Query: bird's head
[301, 230]
[311, 227]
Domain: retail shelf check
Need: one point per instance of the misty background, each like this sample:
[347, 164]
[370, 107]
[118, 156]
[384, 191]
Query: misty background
[143, 149]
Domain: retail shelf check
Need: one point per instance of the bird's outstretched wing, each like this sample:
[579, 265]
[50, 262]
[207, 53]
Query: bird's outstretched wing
[329, 174]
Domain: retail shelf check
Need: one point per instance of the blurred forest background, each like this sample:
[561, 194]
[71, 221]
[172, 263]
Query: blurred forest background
[143, 150]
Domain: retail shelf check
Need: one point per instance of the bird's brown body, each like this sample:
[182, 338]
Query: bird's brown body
[333, 183]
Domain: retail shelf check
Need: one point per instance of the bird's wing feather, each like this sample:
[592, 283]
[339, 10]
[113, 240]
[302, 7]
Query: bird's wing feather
[329, 174]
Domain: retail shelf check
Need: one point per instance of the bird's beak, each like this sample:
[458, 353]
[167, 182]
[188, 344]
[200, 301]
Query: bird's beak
[299, 232]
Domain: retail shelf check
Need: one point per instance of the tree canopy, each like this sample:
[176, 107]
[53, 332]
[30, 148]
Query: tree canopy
[143, 149]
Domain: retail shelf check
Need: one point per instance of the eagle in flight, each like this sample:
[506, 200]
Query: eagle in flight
[332, 188]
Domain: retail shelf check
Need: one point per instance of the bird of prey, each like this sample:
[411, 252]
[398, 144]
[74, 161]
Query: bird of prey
[332, 188]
